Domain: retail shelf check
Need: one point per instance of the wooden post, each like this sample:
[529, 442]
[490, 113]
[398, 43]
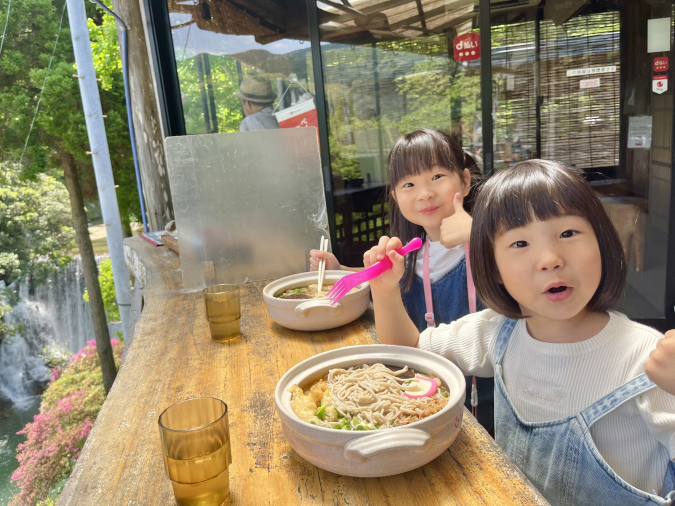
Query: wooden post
[146, 118]
[101, 334]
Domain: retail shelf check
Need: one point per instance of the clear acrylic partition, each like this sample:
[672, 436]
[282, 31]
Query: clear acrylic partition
[247, 205]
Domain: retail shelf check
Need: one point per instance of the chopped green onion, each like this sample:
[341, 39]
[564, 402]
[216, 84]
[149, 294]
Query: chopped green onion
[313, 422]
[321, 412]
[360, 427]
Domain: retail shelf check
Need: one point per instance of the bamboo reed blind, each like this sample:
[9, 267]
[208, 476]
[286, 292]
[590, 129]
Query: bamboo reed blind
[578, 126]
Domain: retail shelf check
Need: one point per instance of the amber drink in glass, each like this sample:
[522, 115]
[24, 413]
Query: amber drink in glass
[196, 445]
[223, 310]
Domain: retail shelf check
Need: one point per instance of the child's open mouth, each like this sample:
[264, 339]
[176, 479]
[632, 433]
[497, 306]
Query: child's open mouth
[558, 293]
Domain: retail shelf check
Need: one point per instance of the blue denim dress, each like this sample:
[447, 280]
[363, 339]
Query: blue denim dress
[559, 457]
[451, 301]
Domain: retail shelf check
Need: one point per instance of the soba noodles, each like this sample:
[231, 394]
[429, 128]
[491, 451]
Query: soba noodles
[368, 397]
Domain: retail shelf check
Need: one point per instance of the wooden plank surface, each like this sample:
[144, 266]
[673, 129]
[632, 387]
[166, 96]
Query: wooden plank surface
[173, 358]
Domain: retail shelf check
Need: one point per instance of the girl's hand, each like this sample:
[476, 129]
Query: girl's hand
[315, 255]
[456, 229]
[660, 367]
[386, 248]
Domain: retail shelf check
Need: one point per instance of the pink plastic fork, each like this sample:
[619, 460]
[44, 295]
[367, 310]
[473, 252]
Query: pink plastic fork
[345, 284]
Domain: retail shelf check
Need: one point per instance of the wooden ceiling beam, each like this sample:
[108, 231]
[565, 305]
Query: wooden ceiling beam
[267, 9]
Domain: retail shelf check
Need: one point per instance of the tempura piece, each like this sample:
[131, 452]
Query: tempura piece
[303, 405]
[317, 391]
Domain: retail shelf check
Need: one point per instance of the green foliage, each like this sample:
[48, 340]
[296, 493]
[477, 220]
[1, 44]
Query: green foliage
[107, 283]
[60, 127]
[4, 328]
[35, 231]
[225, 84]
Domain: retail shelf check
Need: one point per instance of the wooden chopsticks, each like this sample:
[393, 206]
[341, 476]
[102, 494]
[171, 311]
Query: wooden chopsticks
[322, 262]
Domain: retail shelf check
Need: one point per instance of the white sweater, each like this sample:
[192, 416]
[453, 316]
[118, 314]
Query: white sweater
[549, 381]
[441, 260]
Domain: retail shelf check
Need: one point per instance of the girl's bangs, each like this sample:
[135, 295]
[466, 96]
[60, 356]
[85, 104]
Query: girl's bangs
[417, 153]
[535, 195]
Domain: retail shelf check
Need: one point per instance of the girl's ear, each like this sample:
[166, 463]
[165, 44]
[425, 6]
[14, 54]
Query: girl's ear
[393, 195]
[466, 182]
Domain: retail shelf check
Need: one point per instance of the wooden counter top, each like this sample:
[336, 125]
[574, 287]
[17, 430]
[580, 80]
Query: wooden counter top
[173, 358]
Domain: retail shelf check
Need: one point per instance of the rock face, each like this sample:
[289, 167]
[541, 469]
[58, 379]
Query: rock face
[5, 402]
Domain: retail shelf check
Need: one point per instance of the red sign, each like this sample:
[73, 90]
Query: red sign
[589, 83]
[661, 64]
[467, 47]
[298, 116]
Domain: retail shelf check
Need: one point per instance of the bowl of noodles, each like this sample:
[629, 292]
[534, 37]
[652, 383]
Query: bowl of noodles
[294, 302]
[371, 410]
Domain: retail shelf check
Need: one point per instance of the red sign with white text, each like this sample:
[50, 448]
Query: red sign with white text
[661, 64]
[300, 115]
[467, 47]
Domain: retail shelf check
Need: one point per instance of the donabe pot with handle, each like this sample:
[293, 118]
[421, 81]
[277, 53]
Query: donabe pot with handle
[372, 453]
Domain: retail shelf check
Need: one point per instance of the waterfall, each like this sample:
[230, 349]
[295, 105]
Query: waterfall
[23, 373]
[60, 299]
[53, 316]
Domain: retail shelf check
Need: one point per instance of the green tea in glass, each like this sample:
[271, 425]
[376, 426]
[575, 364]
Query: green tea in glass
[223, 311]
[196, 446]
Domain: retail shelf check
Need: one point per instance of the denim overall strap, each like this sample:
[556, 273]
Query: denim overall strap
[616, 398]
[559, 456]
[503, 340]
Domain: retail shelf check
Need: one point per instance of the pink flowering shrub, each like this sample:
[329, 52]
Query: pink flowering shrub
[57, 434]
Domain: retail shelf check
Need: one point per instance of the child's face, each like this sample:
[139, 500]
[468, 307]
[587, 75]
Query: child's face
[427, 199]
[551, 268]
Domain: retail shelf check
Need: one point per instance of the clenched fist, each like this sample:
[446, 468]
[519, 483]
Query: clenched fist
[660, 367]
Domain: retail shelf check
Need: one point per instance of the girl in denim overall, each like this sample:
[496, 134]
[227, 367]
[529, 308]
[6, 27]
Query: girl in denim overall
[573, 406]
[432, 184]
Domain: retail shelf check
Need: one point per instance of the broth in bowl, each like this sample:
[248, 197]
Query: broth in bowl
[309, 292]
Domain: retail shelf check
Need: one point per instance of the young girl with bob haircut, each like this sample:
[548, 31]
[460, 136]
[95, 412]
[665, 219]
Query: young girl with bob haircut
[432, 186]
[573, 407]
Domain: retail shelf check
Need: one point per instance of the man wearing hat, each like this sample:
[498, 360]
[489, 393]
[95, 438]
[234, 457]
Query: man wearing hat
[257, 99]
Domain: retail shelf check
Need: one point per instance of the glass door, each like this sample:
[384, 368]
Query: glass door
[390, 68]
[581, 86]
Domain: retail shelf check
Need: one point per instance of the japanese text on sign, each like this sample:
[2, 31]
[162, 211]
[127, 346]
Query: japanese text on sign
[592, 70]
[661, 64]
[466, 47]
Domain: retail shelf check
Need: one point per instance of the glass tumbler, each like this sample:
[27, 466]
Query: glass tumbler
[195, 439]
[223, 311]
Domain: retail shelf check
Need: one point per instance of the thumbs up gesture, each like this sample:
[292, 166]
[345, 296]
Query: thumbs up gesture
[456, 229]
[660, 367]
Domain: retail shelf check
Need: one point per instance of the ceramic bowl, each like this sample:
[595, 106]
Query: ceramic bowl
[380, 452]
[314, 314]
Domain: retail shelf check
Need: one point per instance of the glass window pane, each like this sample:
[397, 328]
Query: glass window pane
[389, 69]
[599, 115]
[217, 44]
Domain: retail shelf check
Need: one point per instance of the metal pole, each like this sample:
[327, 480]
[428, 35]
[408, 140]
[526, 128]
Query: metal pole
[537, 78]
[486, 85]
[322, 114]
[98, 145]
